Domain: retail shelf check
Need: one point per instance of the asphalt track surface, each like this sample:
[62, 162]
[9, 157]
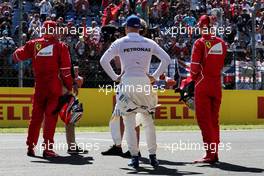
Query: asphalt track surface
[242, 154]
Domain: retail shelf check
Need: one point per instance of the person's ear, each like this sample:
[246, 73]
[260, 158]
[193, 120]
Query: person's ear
[126, 29]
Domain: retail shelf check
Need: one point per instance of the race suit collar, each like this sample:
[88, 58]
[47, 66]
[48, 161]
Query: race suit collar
[207, 36]
[50, 37]
[133, 34]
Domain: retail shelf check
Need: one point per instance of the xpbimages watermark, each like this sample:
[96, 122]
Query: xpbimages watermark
[73, 30]
[183, 30]
[195, 146]
[183, 145]
[62, 146]
[147, 89]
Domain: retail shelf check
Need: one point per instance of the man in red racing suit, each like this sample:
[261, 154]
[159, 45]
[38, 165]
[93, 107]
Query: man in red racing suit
[208, 57]
[52, 70]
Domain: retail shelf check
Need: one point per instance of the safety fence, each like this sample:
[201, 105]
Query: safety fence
[234, 76]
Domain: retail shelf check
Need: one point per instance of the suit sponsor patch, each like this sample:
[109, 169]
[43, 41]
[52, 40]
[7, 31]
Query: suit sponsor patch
[47, 51]
[216, 49]
[137, 49]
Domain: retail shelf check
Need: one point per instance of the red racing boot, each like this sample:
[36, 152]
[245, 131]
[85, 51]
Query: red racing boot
[48, 150]
[49, 154]
[31, 152]
[210, 158]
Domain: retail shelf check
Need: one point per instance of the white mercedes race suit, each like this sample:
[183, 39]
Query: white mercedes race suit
[115, 124]
[135, 93]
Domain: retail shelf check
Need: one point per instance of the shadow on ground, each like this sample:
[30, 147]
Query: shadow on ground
[72, 160]
[161, 170]
[234, 168]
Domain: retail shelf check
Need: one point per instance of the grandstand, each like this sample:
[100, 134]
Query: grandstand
[244, 69]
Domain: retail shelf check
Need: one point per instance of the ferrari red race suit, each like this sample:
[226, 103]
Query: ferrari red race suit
[52, 70]
[208, 57]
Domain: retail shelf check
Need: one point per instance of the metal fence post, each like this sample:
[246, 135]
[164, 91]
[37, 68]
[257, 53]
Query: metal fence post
[262, 81]
[20, 70]
[253, 42]
[253, 46]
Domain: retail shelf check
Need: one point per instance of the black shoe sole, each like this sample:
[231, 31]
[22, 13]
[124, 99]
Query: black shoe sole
[111, 154]
[77, 153]
[113, 151]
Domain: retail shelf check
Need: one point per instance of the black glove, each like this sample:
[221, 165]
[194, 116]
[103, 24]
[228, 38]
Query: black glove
[187, 91]
[62, 101]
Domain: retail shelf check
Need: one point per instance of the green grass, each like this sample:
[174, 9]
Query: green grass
[159, 128]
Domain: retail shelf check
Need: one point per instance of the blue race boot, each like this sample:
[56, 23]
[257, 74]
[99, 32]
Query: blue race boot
[153, 160]
[134, 162]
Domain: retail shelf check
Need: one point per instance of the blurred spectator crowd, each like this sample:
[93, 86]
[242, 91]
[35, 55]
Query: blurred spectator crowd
[21, 21]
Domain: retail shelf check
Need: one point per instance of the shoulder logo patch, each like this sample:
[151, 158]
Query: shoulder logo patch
[47, 51]
[216, 49]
